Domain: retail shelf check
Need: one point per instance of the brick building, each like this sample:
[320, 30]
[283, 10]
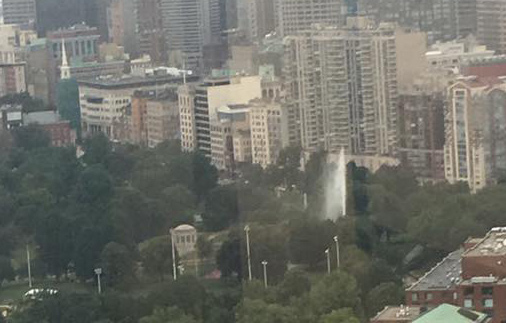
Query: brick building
[60, 132]
[473, 277]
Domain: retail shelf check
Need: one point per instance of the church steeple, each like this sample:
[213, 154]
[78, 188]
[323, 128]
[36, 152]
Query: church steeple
[64, 68]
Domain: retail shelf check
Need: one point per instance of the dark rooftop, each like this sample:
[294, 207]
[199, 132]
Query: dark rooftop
[445, 275]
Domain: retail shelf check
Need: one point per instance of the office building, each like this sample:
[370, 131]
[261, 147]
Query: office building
[81, 44]
[442, 20]
[104, 101]
[205, 99]
[295, 15]
[56, 14]
[471, 277]
[491, 21]
[121, 25]
[188, 25]
[341, 87]
[150, 34]
[257, 18]
[19, 12]
[475, 123]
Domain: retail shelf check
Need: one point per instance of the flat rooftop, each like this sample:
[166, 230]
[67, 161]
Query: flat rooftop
[129, 81]
[397, 314]
[446, 313]
[444, 276]
[493, 244]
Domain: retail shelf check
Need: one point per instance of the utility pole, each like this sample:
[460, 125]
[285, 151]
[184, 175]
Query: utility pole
[336, 239]
[327, 252]
[28, 263]
[98, 272]
[264, 263]
[248, 251]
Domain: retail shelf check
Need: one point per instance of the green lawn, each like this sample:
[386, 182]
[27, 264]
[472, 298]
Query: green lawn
[15, 291]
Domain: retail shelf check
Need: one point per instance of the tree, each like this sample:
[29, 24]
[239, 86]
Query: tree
[180, 204]
[343, 315]
[94, 186]
[204, 247]
[383, 295]
[170, 314]
[257, 311]
[117, 264]
[221, 208]
[31, 137]
[6, 271]
[334, 291]
[205, 175]
[156, 256]
[97, 150]
[229, 257]
[68, 103]
[295, 284]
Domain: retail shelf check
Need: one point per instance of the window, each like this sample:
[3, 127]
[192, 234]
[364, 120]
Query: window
[488, 303]
[414, 297]
[429, 296]
[487, 290]
[468, 303]
[468, 291]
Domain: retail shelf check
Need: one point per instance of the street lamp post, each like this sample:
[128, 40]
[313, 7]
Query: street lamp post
[327, 252]
[98, 272]
[174, 266]
[248, 251]
[264, 263]
[29, 264]
[336, 239]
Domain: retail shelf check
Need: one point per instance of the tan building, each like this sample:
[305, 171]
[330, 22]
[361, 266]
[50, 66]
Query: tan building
[206, 98]
[229, 127]
[256, 18]
[162, 117]
[186, 98]
[410, 54]
[269, 131]
[475, 124]
[12, 78]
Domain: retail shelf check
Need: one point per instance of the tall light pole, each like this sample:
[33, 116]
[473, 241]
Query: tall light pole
[327, 252]
[29, 264]
[174, 267]
[336, 239]
[264, 263]
[248, 251]
[98, 272]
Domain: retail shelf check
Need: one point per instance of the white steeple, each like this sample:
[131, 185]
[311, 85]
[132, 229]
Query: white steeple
[64, 68]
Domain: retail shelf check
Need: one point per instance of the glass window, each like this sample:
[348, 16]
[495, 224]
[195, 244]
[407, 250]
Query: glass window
[487, 290]
[429, 296]
[414, 297]
[468, 303]
[488, 303]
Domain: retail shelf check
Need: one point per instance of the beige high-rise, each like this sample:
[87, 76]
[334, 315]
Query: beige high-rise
[491, 17]
[342, 89]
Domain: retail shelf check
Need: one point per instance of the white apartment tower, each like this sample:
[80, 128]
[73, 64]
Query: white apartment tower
[341, 88]
[298, 15]
[475, 132]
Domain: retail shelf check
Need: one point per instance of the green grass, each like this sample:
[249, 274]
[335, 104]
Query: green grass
[13, 292]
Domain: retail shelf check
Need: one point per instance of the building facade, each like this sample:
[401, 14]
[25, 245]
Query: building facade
[475, 120]
[269, 131]
[206, 98]
[491, 22]
[341, 87]
[19, 12]
[295, 16]
[471, 277]
[12, 78]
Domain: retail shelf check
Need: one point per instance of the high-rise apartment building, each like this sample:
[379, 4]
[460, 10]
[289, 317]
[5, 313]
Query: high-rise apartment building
[341, 87]
[475, 132]
[55, 14]
[121, 25]
[199, 104]
[296, 15]
[491, 21]
[19, 12]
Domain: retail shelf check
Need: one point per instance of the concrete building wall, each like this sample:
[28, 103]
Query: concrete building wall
[19, 12]
[491, 22]
[186, 99]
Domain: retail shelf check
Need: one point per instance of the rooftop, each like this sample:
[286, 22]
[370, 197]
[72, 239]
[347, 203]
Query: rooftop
[397, 314]
[129, 81]
[445, 275]
[494, 243]
[446, 313]
[42, 117]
